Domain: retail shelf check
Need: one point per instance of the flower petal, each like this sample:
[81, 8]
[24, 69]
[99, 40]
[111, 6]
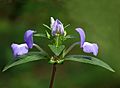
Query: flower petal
[90, 48]
[19, 49]
[52, 21]
[82, 35]
[28, 37]
[57, 28]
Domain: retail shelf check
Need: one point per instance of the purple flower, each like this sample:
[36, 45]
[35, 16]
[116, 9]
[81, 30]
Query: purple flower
[19, 49]
[87, 47]
[82, 36]
[57, 27]
[90, 48]
[28, 38]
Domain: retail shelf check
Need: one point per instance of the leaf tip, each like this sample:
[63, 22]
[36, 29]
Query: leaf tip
[112, 70]
[4, 69]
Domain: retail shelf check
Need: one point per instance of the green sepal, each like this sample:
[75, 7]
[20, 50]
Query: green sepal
[57, 50]
[31, 56]
[89, 60]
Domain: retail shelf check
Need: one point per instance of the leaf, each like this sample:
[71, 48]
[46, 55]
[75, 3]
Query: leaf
[67, 26]
[46, 26]
[56, 50]
[48, 35]
[70, 36]
[40, 35]
[90, 60]
[32, 56]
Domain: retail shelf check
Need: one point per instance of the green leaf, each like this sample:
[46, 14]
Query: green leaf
[67, 26]
[69, 36]
[32, 56]
[40, 35]
[90, 60]
[46, 26]
[56, 50]
[63, 38]
[48, 35]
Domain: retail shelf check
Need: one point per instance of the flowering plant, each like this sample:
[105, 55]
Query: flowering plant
[57, 34]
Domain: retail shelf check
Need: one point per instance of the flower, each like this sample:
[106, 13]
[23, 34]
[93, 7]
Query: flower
[19, 49]
[28, 38]
[87, 47]
[57, 27]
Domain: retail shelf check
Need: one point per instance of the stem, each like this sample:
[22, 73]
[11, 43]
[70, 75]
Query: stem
[52, 76]
[70, 48]
[57, 41]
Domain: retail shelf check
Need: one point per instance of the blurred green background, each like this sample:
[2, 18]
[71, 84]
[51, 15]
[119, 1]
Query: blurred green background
[101, 22]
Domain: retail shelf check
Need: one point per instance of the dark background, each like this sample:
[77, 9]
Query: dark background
[101, 22]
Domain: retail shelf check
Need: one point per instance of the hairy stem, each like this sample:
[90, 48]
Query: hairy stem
[52, 76]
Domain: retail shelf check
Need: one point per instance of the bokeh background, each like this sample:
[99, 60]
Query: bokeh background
[101, 22]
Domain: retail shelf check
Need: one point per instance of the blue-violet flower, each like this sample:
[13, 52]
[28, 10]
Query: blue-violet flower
[19, 49]
[87, 47]
[28, 38]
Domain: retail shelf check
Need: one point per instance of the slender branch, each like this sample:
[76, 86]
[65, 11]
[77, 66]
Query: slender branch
[52, 76]
[70, 48]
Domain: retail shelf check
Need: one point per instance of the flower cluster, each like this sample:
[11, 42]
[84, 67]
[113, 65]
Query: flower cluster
[57, 29]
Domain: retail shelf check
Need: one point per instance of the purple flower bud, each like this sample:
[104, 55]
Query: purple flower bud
[19, 49]
[82, 36]
[90, 48]
[87, 47]
[57, 27]
[28, 38]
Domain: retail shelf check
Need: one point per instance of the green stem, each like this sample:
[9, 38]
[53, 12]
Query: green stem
[52, 76]
[70, 48]
[57, 41]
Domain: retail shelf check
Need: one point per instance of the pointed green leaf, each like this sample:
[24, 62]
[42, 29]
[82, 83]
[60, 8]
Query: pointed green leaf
[67, 26]
[48, 35]
[46, 26]
[70, 36]
[32, 56]
[56, 50]
[90, 60]
[40, 35]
